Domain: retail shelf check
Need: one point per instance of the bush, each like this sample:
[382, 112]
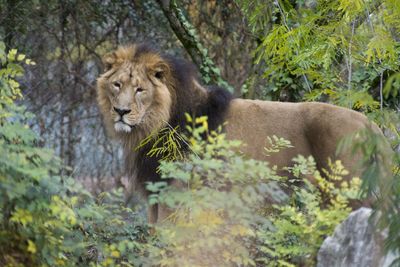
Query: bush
[229, 210]
[300, 226]
[46, 219]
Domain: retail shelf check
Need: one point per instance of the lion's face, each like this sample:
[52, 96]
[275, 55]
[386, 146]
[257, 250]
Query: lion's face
[132, 93]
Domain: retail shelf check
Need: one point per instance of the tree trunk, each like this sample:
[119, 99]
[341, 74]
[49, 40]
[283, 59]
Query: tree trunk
[61, 61]
[187, 35]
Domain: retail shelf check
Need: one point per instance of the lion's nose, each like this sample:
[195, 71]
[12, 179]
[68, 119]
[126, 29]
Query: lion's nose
[122, 112]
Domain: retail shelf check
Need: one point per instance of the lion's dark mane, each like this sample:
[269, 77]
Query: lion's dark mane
[214, 106]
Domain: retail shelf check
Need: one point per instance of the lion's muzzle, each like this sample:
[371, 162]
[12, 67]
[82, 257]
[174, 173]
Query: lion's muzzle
[122, 124]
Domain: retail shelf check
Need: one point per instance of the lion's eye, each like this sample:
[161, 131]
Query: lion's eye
[159, 74]
[139, 89]
[117, 85]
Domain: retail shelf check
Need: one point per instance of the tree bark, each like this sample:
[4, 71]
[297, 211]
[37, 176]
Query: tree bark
[186, 34]
[187, 40]
[62, 24]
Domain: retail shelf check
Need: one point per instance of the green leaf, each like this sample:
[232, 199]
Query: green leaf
[21, 57]
[11, 55]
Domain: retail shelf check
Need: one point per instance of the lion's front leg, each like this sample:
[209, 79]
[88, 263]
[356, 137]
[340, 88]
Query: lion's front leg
[157, 213]
[152, 214]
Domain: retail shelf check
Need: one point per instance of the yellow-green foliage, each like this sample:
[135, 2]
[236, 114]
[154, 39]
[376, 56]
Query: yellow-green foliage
[214, 209]
[313, 212]
[165, 144]
[222, 211]
[340, 50]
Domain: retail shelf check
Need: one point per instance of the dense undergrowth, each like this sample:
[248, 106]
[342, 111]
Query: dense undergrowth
[220, 206]
[46, 219]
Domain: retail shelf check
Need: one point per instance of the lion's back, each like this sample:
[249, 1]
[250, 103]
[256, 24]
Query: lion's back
[313, 128]
[253, 121]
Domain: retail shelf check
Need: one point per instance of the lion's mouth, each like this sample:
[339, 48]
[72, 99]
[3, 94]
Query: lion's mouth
[121, 126]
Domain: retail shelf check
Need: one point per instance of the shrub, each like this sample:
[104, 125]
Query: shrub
[229, 210]
[46, 219]
[313, 212]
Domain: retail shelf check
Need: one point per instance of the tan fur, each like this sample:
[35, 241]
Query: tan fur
[313, 128]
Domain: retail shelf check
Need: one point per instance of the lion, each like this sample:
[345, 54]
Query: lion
[142, 91]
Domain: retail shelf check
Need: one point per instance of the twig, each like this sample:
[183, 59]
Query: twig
[379, 60]
[349, 62]
[181, 137]
[381, 91]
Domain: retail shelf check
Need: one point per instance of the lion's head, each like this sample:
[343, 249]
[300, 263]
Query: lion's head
[134, 92]
[141, 91]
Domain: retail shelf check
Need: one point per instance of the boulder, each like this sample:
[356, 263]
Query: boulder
[355, 242]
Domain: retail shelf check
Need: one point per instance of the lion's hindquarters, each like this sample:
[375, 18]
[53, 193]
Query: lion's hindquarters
[327, 126]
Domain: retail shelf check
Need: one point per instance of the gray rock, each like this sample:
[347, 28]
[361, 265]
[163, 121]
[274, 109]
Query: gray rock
[355, 243]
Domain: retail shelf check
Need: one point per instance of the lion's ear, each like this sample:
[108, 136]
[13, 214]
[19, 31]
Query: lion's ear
[159, 70]
[109, 60]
